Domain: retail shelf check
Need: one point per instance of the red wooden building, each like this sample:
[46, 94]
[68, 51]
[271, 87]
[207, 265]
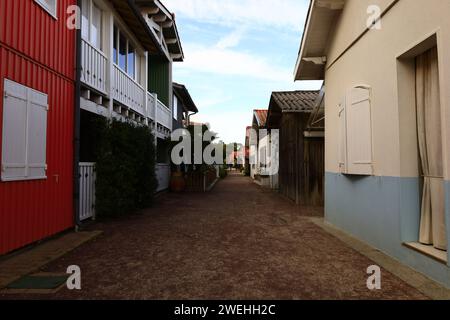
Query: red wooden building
[37, 82]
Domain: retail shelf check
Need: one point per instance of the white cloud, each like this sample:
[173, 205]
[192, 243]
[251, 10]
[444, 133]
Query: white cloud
[231, 40]
[227, 81]
[273, 13]
[212, 96]
[201, 58]
[230, 126]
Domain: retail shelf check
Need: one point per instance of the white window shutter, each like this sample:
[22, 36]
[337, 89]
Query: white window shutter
[24, 135]
[359, 132]
[342, 138]
[37, 135]
[14, 134]
[49, 5]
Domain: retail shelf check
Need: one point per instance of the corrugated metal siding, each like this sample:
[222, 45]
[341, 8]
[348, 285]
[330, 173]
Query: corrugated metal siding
[33, 210]
[158, 79]
[29, 29]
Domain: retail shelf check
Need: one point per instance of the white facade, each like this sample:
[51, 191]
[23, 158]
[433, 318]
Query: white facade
[114, 71]
[115, 66]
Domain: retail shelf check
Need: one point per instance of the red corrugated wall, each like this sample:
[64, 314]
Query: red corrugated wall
[38, 51]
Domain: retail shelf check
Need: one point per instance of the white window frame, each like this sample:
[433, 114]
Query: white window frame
[91, 5]
[52, 9]
[27, 164]
[175, 107]
[128, 43]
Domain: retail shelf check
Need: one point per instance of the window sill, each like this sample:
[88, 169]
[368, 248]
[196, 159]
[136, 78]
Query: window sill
[429, 251]
[22, 179]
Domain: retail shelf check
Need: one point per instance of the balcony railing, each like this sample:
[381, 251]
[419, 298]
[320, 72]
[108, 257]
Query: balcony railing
[127, 91]
[93, 67]
[163, 115]
[103, 76]
[157, 110]
[151, 106]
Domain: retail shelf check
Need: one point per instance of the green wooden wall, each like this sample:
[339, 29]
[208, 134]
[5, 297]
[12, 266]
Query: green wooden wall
[159, 78]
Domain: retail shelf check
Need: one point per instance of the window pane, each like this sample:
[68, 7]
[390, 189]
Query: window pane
[175, 107]
[138, 68]
[115, 51]
[96, 31]
[122, 52]
[131, 63]
[85, 19]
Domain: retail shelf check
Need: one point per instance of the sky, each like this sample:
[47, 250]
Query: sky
[236, 53]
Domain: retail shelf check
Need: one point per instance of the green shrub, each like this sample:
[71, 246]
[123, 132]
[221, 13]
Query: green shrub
[223, 172]
[126, 179]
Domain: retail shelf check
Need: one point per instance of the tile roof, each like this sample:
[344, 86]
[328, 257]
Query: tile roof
[296, 101]
[182, 93]
[261, 117]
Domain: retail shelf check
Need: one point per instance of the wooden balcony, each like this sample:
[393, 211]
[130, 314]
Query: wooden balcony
[151, 106]
[105, 82]
[158, 112]
[163, 115]
[94, 65]
[127, 91]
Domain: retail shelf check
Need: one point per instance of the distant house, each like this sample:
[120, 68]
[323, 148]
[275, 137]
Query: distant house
[183, 106]
[248, 131]
[258, 152]
[301, 145]
[387, 114]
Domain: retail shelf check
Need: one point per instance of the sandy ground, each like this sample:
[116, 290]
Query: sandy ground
[237, 242]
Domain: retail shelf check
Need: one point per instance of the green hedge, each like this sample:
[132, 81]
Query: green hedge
[223, 172]
[126, 179]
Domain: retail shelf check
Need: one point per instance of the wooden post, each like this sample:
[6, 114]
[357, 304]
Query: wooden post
[156, 119]
[109, 49]
[144, 79]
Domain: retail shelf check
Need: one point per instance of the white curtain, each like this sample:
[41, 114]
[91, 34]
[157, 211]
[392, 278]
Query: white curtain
[432, 223]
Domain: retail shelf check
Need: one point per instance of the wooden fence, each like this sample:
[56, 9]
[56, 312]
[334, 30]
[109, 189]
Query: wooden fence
[87, 191]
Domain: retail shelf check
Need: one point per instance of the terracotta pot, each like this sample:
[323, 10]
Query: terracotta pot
[177, 182]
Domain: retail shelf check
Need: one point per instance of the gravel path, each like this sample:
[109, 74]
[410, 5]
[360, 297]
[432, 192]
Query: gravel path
[237, 242]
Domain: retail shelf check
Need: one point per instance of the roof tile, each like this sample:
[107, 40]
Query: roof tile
[261, 116]
[296, 101]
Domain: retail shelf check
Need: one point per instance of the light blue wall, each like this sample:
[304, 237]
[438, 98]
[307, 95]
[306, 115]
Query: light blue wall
[447, 208]
[384, 212]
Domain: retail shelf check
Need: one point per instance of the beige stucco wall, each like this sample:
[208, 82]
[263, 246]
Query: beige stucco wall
[373, 61]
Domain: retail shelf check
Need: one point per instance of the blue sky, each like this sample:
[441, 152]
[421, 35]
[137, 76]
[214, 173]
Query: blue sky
[236, 53]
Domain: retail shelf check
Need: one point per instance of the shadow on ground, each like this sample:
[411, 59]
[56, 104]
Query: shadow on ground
[237, 242]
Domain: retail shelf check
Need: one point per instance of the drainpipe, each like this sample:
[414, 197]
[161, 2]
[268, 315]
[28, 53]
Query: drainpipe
[189, 117]
[76, 162]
